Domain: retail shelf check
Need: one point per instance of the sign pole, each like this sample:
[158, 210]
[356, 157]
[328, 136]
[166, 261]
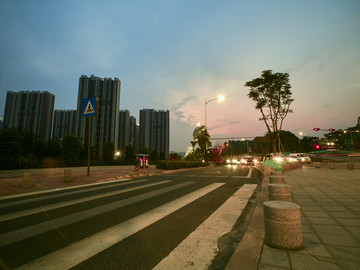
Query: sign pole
[89, 137]
[90, 107]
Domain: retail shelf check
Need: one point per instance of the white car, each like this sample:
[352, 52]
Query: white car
[301, 157]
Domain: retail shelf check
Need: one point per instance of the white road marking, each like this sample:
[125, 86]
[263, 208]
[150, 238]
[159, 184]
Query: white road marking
[199, 249]
[79, 190]
[80, 251]
[39, 228]
[71, 202]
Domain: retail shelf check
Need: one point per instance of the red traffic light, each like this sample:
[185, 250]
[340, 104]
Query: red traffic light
[317, 146]
[331, 129]
[316, 129]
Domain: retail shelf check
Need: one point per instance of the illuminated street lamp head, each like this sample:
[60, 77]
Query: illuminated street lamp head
[221, 98]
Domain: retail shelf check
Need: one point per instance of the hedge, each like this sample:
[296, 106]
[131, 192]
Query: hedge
[175, 165]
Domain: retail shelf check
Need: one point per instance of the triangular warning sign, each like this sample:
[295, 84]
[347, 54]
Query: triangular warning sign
[89, 108]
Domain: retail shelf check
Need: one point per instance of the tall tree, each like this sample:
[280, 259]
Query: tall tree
[71, 148]
[272, 95]
[108, 152]
[202, 137]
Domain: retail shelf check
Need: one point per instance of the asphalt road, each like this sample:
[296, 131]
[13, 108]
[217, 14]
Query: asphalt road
[143, 223]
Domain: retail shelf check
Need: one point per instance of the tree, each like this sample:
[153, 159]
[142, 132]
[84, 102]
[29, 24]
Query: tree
[129, 153]
[154, 157]
[71, 148]
[11, 144]
[272, 95]
[108, 152]
[162, 156]
[202, 136]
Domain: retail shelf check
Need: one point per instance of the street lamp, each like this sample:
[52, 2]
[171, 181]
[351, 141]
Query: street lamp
[219, 98]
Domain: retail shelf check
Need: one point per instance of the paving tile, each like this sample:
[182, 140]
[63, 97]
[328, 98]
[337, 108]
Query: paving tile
[315, 213]
[347, 257]
[311, 208]
[310, 238]
[307, 228]
[303, 261]
[274, 257]
[335, 208]
[330, 229]
[314, 248]
[349, 221]
[269, 267]
[340, 240]
[322, 220]
[354, 230]
[343, 214]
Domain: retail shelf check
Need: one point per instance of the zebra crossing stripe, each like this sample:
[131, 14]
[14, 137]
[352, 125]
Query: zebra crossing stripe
[80, 251]
[75, 201]
[39, 228]
[199, 249]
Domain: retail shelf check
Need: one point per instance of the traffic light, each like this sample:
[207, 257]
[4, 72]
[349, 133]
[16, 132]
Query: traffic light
[316, 129]
[331, 129]
[317, 146]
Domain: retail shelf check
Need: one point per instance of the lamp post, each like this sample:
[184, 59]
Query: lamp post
[219, 98]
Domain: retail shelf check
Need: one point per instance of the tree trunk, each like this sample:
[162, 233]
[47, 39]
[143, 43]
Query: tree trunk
[274, 144]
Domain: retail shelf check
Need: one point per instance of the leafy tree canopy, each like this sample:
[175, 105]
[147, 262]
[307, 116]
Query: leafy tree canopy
[272, 95]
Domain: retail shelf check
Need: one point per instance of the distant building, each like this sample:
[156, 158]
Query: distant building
[1, 123]
[124, 128]
[64, 123]
[154, 131]
[358, 122]
[133, 131]
[30, 110]
[104, 126]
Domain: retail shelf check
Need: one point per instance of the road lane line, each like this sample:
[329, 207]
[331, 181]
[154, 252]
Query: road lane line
[39, 228]
[200, 248]
[80, 251]
[75, 201]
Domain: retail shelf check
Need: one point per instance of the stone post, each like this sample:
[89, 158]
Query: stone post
[27, 181]
[276, 179]
[283, 225]
[279, 192]
[350, 165]
[67, 176]
[332, 165]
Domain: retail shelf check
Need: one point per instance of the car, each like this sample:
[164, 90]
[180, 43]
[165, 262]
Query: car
[301, 157]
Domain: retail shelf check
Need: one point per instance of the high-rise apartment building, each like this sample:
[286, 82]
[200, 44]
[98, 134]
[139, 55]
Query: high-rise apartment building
[64, 123]
[30, 110]
[124, 128]
[154, 130]
[133, 133]
[104, 126]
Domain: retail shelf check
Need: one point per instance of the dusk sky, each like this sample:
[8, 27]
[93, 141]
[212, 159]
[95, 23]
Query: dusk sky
[175, 54]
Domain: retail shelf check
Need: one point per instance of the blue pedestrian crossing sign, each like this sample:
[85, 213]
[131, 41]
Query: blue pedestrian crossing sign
[89, 106]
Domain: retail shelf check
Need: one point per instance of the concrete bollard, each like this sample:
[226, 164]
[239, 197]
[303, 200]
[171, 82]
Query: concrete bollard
[317, 164]
[276, 179]
[332, 165]
[350, 165]
[275, 173]
[279, 192]
[27, 180]
[283, 225]
[67, 176]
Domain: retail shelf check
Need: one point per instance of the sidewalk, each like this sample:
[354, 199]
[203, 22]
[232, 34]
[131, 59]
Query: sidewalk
[53, 178]
[330, 209]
